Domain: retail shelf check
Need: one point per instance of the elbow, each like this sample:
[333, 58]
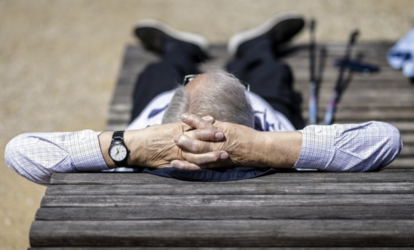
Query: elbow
[386, 145]
[18, 157]
[392, 145]
[368, 147]
[12, 153]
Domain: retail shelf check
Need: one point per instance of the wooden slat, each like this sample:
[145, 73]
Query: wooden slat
[362, 87]
[237, 233]
[241, 188]
[226, 200]
[369, 115]
[394, 170]
[394, 86]
[402, 162]
[332, 75]
[408, 139]
[201, 212]
[404, 127]
[296, 177]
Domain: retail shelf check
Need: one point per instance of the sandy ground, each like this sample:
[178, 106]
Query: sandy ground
[59, 62]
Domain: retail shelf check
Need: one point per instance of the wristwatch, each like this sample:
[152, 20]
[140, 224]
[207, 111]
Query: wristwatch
[118, 151]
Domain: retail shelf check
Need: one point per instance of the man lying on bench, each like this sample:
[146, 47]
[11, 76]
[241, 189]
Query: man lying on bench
[241, 135]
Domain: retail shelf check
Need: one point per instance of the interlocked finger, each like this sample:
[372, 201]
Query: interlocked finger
[197, 122]
[192, 145]
[184, 165]
[205, 134]
[206, 158]
[198, 161]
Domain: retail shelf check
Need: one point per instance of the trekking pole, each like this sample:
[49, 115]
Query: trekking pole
[330, 112]
[313, 87]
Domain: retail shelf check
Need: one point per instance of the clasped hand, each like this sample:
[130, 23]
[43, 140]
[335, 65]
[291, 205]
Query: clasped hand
[194, 144]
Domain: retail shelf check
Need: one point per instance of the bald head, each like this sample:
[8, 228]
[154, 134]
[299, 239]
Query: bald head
[215, 93]
[197, 84]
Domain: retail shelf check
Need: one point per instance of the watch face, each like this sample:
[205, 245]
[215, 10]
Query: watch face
[118, 152]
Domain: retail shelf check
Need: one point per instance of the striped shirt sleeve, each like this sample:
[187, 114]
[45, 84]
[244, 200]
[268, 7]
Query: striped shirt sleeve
[36, 156]
[349, 147]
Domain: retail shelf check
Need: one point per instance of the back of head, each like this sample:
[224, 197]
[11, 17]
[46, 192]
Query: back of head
[222, 97]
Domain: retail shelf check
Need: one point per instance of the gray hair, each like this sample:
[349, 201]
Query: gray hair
[224, 99]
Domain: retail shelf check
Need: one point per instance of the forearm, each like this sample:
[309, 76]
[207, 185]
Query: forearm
[276, 149]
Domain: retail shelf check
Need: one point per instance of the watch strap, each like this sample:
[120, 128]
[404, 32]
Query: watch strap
[119, 136]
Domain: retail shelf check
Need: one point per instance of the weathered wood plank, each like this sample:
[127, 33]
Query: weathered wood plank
[200, 188]
[201, 212]
[371, 101]
[226, 200]
[332, 75]
[404, 127]
[408, 139]
[402, 162]
[237, 233]
[369, 114]
[381, 85]
[370, 89]
[407, 170]
[295, 177]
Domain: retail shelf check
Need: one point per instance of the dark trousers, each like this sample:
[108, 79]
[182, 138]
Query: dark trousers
[256, 65]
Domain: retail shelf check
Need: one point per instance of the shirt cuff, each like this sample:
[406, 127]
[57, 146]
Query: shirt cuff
[85, 151]
[317, 147]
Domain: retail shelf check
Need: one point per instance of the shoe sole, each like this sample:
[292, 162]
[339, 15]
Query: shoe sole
[263, 29]
[159, 30]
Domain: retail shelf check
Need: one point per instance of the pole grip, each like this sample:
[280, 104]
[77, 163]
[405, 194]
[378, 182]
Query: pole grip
[353, 37]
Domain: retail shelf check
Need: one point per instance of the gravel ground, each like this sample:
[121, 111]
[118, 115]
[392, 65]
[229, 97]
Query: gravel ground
[59, 62]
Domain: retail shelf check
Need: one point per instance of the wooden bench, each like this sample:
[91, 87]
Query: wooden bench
[310, 209]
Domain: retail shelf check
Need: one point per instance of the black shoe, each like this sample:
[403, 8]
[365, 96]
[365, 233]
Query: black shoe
[279, 29]
[158, 37]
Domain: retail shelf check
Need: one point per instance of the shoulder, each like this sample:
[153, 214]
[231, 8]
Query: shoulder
[267, 117]
[153, 112]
